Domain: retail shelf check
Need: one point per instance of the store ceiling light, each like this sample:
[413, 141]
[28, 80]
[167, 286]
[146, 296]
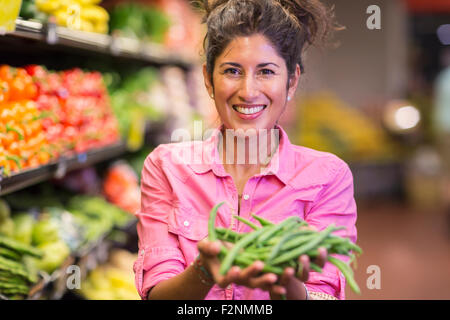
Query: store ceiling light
[443, 33]
[407, 117]
[401, 117]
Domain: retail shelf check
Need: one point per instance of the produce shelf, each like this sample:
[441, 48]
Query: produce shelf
[119, 46]
[58, 168]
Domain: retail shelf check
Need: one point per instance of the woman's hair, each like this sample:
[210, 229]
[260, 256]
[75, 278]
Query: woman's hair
[290, 25]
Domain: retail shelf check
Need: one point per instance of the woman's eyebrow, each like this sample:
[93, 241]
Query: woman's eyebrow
[261, 65]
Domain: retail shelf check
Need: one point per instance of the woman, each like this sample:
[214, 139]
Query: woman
[253, 64]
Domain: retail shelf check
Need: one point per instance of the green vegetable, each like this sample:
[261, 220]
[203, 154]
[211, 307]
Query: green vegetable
[249, 223]
[304, 248]
[281, 245]
[347, 272]
[14, 268]
[272, 230]
[262, 221]
[10, 254]
[229, 258]
[227, 235]
[45, 230]
[212, 218]
[7, 227]
[54, 255]
[19, 247]
[23, 227]
[5, 210]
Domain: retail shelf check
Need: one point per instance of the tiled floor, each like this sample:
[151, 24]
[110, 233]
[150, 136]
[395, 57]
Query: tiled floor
[411, 246]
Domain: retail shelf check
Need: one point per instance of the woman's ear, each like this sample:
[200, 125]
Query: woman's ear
[293, 81]
[207, 79]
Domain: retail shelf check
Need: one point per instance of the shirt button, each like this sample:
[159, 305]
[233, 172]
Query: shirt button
[186, 223]
[229, 287]
[142, 252]
[246, 197]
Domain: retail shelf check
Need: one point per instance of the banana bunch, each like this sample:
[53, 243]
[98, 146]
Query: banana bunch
[84, 15]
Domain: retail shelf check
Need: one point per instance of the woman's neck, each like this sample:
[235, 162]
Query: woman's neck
[247, 152]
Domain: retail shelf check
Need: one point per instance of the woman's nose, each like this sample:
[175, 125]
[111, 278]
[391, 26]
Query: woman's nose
[249, 89]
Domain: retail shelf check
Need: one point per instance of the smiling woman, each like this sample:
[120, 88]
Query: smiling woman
[249, 83]
[253, 63]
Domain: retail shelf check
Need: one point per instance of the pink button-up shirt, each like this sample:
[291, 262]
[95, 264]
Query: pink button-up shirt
[177, 196]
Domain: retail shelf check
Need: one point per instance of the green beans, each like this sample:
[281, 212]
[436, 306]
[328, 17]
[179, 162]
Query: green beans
[228, 234]
[229, 258]
[277, 247]
[262, 221]
[304, 248]
[270, 231]
[280, 245]
[347, 272]
[212, 219]
[19, 247]
[249, 223]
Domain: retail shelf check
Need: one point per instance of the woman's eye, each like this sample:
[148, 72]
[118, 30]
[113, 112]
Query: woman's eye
[233, 71]
[267, 72]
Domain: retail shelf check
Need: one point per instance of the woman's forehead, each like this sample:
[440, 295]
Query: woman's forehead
[255, 49]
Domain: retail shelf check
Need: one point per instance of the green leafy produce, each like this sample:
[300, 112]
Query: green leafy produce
[97, 216]
[5, 210]
[29, 11]
[23, 227]
[131, 97]
[139, 21]
[280, 245]
[69, 230]
[7, 227]
[45, 230]
[54, 255]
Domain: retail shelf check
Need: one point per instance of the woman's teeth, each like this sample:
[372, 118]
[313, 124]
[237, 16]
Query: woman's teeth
[248, 110]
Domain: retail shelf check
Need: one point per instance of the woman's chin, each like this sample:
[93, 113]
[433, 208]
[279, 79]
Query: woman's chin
[250, 126]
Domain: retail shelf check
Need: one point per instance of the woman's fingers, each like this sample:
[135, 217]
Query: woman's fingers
[263, 282]
[303, 269]
[278, 290]
[287, 276]
[322, 257]
[252, 270]
[209, 248]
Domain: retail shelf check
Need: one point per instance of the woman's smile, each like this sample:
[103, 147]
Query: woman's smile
[249, 111]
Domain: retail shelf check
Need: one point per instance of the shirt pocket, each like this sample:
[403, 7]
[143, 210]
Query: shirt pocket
[183, 221]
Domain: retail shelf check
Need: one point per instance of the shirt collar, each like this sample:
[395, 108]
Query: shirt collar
[281, 164]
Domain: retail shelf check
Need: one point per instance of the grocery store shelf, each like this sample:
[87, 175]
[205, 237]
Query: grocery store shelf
[59, 168]
[87, 258]
[100, 43]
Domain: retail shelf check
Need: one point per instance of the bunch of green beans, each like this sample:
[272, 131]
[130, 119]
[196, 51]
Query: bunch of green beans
[280, 245]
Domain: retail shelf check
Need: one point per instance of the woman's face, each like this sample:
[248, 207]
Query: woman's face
[250, 80]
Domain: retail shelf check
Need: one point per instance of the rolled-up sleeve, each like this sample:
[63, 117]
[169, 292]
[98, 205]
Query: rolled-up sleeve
[335, 204]
[159, 257]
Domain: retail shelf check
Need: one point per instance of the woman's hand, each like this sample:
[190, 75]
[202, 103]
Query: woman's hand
[249, 277]
[289, 283]
[294, 283]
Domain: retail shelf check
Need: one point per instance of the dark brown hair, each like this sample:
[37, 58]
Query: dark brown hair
[291, 26]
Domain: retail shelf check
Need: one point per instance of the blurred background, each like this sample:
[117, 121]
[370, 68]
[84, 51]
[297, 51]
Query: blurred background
[90, 87]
